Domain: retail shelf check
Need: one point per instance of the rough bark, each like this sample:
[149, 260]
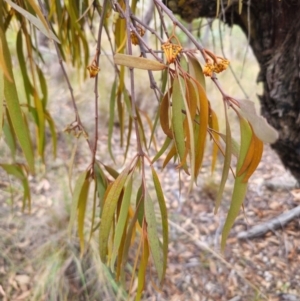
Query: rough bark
[274, 32]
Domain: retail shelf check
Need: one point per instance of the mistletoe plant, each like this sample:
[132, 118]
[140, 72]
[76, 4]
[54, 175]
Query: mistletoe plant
[123, 208]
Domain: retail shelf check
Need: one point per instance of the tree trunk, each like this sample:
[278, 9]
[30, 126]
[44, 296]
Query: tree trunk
[274, 31]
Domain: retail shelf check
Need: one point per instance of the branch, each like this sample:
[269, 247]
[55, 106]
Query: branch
[271, 225]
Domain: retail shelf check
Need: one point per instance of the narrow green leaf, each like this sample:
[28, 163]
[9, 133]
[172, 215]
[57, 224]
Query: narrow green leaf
[82, 201]
[140, 205]
[227, 161]
[195, 70]
[3, 67]
[240, 188]
[142, 270]
[238, 196]
[108, 212]
[153, 237]
[190, 114]
[22, 63]
[75, 199]
[164, 219]
[162, 150]
[52, 131]
[34, 20]
[101, 183]
[111, 171]
[203, 107]
[43, 86]
[1, 100]
[177, 119]
[235, 147]
[120, 228]
[10, 139]
[13, 105]
[111, 119]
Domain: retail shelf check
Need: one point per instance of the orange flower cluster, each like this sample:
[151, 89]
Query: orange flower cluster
[171, 51]
[93, 69]
[133, 36]
[220, 64]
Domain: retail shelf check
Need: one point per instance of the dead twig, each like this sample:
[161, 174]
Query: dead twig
[270, 225]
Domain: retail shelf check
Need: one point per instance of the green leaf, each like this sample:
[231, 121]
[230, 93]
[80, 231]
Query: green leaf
[111, 120]
[22, 63]
[140, 205]
[162, 150]
[153, 237]
[120, 228]
[240, 188]
[101, 183]
[227, 161]
[238, 196]
[10, 139]
[52, 131]
[108, 212]
[142, 270]
[138, 62]
[76, 198]
[261, 128]
[235, 147]
[82, 201]
[177, 119]
[164, 219]
[34, 20]
[13, 106]
[2, 97]
[195, 70]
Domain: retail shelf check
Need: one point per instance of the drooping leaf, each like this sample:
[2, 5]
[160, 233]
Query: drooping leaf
[11, 96]
[142, 270]
[164, 218]
[138, 62]
[162, 150]
[82, 201]
[34, 20]
[214, 124]
[227, 161]
[195, 69]
[203, 107]
[24, 70]
[153, 237]
[257, 154]
[177, 119]
[2, 97]
[111, 120]
[101, 183]
[76, 198]
[240, 188]
[10, 138]
[120, 228]
[164, 113]
[235, 147]
[261, 128]
[140, 205]
[52, 131]
[3, 68]
[170, 155]
[109, 207]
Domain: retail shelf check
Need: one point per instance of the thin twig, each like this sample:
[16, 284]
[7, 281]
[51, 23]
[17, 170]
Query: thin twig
[96, 90]
[77, 124]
